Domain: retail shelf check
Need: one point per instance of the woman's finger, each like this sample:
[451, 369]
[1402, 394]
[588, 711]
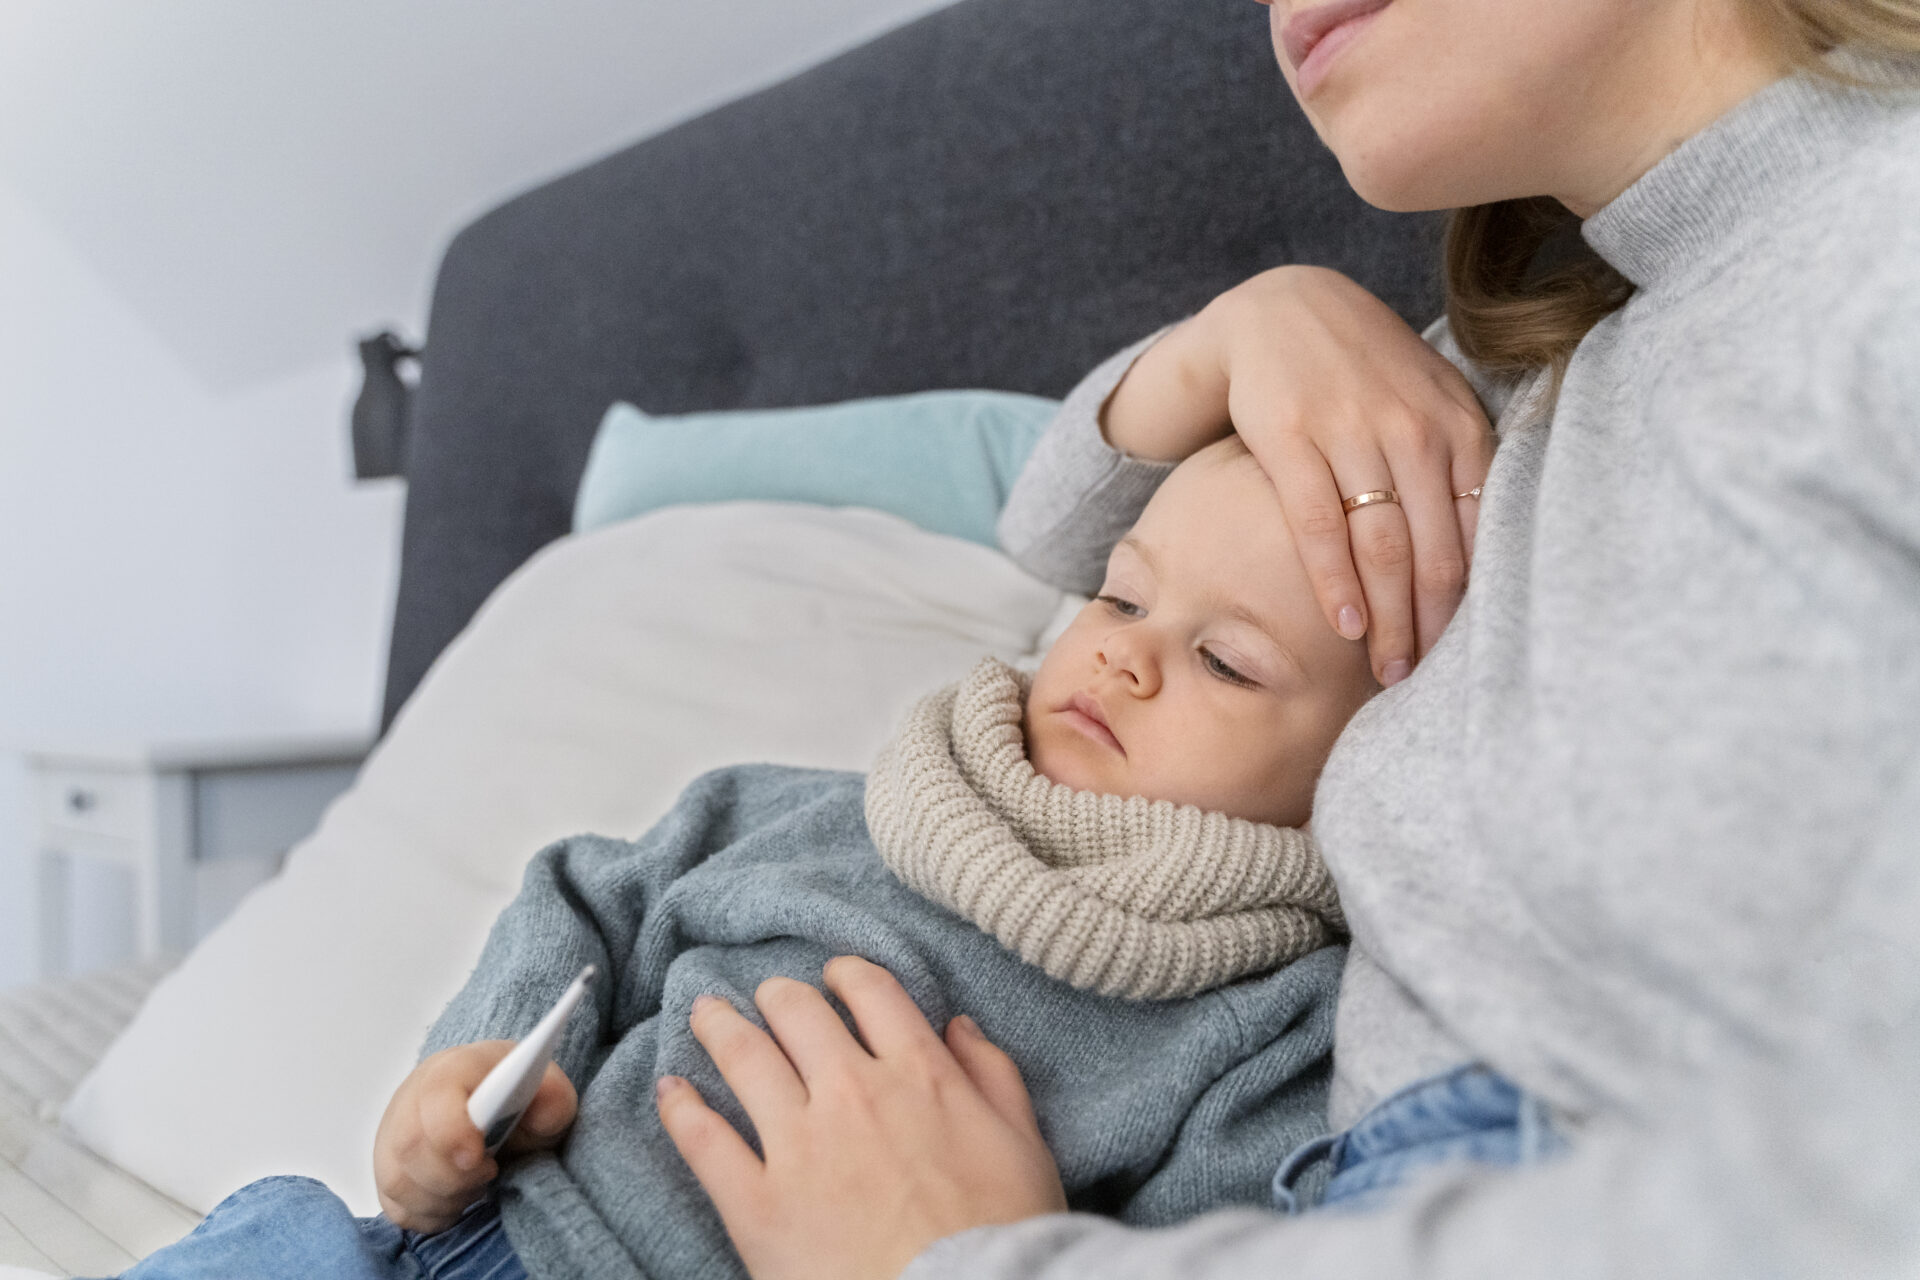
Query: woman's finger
[719, 1157]
[1470, 467]
[1383, 551]
[993, 1073]
[1383, 555]
[810, 1033]
[889, 1021]
[860, 1177]
[1439, 559]
[1311, 500]
[1466, 514]
[749, 1061]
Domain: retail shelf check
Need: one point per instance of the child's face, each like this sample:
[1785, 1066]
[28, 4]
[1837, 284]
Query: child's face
[1204, 672]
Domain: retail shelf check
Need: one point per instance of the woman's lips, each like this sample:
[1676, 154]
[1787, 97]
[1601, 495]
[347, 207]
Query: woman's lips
[1313, 37]
[1084, 714]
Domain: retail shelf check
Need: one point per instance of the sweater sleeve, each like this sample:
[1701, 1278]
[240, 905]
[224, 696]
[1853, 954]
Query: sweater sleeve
[1077, 494]
[584, 900]
[548, 933]
[1795, 1163]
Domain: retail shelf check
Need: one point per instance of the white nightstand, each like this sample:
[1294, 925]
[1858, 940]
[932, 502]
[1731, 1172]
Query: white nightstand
[197, 822]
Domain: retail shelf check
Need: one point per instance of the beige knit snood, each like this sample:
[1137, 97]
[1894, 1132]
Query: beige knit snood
[1119, 895]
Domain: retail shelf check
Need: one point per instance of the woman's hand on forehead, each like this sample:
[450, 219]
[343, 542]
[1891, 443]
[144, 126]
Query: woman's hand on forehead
[1336, 397]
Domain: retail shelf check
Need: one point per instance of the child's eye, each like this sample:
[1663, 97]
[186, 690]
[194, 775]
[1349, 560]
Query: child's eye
[1125, 608]
[1216, 667]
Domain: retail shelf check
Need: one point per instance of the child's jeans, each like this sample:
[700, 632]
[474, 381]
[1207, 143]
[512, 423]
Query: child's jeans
[296, 1228]
[1469, 1115]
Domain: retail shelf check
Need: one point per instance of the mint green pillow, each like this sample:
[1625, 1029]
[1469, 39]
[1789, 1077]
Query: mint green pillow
[942, 459]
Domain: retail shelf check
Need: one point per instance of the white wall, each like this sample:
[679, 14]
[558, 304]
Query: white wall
[258, 180]
[171, 563]
[201, 203]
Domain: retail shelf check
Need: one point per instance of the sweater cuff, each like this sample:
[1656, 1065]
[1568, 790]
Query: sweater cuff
[1077, 494]
[1015, 1251]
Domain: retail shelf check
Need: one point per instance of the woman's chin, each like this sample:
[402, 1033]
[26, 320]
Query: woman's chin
[1400, 171]
[1397, 188]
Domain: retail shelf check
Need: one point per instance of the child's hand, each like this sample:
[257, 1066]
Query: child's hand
[429, 1162]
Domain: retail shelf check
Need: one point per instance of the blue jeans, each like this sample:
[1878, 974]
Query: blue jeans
[295, 1227]
[1469, 1115]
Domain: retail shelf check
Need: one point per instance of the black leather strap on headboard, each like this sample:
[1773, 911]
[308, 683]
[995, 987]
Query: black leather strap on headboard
[997, 195]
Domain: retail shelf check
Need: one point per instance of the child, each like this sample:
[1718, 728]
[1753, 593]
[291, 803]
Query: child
[1094, 868]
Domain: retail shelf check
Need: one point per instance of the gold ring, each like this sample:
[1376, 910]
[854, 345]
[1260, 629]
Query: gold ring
[1471, 493]
[1360, 500]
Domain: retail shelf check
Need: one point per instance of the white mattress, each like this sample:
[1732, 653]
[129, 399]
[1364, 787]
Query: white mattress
[64, 1210]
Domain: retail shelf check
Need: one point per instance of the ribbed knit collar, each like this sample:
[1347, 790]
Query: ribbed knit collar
[1708, 188]
[1120, 895]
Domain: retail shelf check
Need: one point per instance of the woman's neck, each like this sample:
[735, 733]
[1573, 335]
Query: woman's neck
[1688, 78]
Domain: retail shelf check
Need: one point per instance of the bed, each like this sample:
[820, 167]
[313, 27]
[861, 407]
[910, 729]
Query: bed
[994, 196]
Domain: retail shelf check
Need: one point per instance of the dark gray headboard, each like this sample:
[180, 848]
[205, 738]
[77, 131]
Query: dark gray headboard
[994, 196]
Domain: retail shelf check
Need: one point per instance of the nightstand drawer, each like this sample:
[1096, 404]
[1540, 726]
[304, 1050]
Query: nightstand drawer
[198, 823]
[95, 802]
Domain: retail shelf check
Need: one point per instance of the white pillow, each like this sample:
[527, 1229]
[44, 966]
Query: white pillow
[595, 683]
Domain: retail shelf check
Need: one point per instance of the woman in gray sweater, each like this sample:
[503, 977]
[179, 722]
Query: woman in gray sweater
[1641, 832]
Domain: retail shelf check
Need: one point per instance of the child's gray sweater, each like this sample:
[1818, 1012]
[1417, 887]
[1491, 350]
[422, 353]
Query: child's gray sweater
[1155, 1110]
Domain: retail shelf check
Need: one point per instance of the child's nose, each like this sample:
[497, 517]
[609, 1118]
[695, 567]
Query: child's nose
[1131, 657]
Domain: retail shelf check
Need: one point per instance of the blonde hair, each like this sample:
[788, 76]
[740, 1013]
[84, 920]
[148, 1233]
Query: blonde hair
[1523, 289]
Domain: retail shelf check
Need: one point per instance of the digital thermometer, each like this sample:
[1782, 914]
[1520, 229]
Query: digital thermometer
[503, 1097]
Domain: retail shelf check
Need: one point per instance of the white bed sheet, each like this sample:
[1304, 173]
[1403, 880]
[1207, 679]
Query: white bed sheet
[64, 1210]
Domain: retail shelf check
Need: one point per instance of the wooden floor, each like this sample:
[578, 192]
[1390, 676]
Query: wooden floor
[64, 1210]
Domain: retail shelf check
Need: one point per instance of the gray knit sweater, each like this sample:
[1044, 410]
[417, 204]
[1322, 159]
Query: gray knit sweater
[1156, 1110]
[1634, 832]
